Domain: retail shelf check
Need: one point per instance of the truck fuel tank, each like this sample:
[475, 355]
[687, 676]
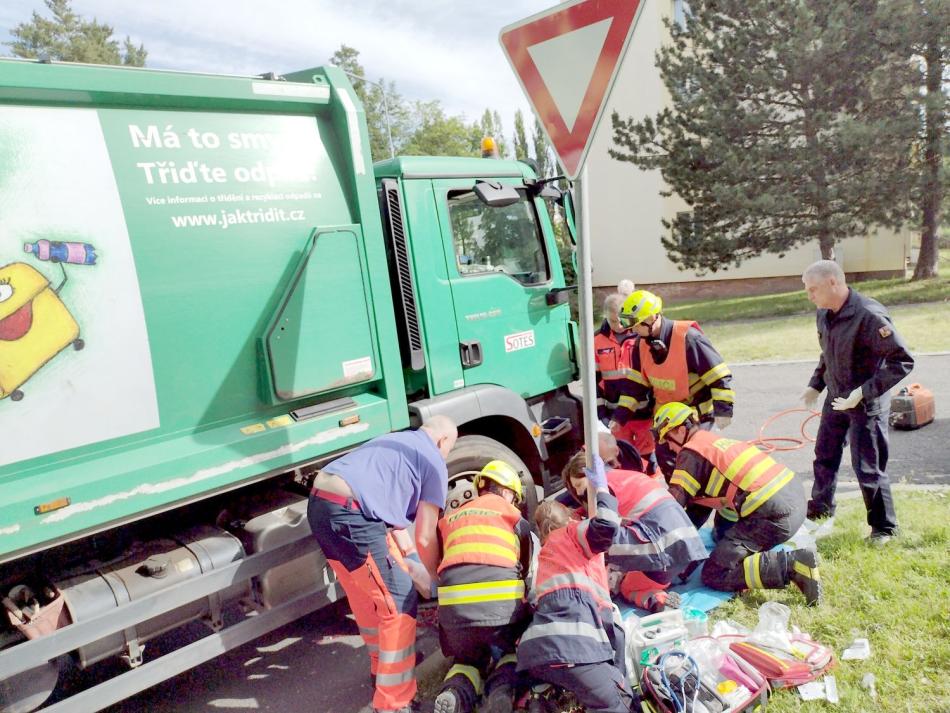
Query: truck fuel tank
[152, 566]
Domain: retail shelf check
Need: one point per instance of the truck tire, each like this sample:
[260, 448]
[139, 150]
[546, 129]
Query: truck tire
[469, 456]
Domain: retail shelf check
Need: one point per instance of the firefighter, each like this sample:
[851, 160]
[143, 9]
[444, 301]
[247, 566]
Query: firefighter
[862, 357]
[486, 553]
[764, 499]
[388, 482]
[656, 542]
[575, 639]
[617, 402]
[674, 361]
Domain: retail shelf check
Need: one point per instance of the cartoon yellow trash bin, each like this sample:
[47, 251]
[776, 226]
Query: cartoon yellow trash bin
[35, 326]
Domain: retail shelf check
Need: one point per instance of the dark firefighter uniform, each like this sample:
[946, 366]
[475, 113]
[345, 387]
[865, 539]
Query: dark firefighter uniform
[486, 553]
[575, 639]
[656, 541]
[765, 499]
[859, 348]
[680, 364]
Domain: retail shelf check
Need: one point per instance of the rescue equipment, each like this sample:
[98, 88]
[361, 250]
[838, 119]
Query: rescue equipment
[912, 407]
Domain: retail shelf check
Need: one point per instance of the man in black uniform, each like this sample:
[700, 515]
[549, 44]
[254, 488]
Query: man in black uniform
[862, 358]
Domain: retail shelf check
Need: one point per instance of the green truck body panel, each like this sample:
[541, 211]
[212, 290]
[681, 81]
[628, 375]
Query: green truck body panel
[240, 275]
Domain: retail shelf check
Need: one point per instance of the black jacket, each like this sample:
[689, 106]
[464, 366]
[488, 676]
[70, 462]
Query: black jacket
[859, 347]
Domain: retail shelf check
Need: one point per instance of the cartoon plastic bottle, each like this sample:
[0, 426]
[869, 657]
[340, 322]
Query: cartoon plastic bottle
[56, 251]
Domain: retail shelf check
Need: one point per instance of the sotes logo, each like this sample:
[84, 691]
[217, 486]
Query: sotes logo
[519, 340]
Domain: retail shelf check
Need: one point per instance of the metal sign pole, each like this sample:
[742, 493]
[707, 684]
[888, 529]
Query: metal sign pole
[585, 308]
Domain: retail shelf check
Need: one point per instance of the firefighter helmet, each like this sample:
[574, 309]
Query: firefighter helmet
[504, 475]
[669, 416]
[639, 306]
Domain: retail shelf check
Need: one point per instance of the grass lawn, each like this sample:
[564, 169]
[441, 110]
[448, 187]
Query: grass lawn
[897, 597]
[923, 327]
[887, 292]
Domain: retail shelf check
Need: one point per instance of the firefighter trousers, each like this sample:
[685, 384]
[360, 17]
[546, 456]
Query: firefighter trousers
[472, 649]
[365, 560]
[867, 434]
[599, 687]
[743, 557]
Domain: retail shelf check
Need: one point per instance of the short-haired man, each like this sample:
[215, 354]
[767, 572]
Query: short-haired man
[862, 358]
[388, 482]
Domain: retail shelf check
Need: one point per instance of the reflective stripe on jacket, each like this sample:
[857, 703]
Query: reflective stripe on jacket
[574, 616]
[481, 532]
[669, 380]
[656, 534]
[741, 474]
[480, 576]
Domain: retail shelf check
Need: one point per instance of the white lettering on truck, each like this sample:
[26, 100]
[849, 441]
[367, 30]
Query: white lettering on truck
[519, 340]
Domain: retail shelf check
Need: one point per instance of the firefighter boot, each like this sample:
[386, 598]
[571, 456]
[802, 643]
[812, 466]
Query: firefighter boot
[803, 571]
[501, 686]
[460, 689]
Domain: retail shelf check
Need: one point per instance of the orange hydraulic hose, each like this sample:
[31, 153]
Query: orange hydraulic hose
[771, 443]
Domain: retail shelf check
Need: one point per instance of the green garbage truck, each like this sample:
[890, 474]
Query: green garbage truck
[207, 290]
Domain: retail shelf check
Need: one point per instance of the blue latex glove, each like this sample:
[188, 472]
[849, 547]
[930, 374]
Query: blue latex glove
[597, 475]
[414, 556]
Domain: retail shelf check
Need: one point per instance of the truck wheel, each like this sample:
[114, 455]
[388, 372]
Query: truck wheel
[470, 454]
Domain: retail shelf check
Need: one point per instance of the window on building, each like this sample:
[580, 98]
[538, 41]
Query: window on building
[504, 240]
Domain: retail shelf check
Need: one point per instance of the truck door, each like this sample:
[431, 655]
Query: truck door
[501, 269]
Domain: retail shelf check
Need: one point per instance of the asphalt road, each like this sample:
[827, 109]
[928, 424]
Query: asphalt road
[317, 664]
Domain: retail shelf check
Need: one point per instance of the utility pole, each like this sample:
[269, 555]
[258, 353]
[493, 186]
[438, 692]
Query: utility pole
[382, 87]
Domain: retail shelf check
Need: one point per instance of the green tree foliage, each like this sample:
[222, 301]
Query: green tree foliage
[542, 151]
[521, 138]
[67, 37]
[385, 110]
[436, 134]
[922, 28]
[789, 123]
[490, 125]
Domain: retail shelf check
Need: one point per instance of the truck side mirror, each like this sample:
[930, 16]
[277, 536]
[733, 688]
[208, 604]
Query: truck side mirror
[496, 195]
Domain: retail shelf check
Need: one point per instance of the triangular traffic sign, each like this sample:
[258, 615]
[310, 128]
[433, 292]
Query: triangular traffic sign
[566, 59]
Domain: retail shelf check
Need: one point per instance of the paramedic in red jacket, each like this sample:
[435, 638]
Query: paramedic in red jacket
[656, 542]
[575, 639]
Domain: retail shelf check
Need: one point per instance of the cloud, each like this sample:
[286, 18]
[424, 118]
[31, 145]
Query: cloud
[432, 50]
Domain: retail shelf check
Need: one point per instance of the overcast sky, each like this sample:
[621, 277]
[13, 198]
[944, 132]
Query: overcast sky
[432, 49]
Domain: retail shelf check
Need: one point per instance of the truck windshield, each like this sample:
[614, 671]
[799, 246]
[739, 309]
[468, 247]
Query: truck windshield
[504, 240]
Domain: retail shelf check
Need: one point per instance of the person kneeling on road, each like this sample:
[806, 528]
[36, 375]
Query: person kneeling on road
[486, 552]
[764, 499]
[575, 639]
[656, 542]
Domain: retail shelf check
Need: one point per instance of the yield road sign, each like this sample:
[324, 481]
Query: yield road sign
[566, 59]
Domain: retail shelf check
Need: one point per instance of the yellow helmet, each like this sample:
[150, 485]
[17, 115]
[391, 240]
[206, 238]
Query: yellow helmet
[504, 475]
[669, 416]
[639, 306]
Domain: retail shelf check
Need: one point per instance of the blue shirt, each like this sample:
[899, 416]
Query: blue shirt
[389, 475]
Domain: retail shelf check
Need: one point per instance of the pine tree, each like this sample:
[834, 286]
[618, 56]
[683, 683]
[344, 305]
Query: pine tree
[66, 37]
[923, 28]
[788, 124]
